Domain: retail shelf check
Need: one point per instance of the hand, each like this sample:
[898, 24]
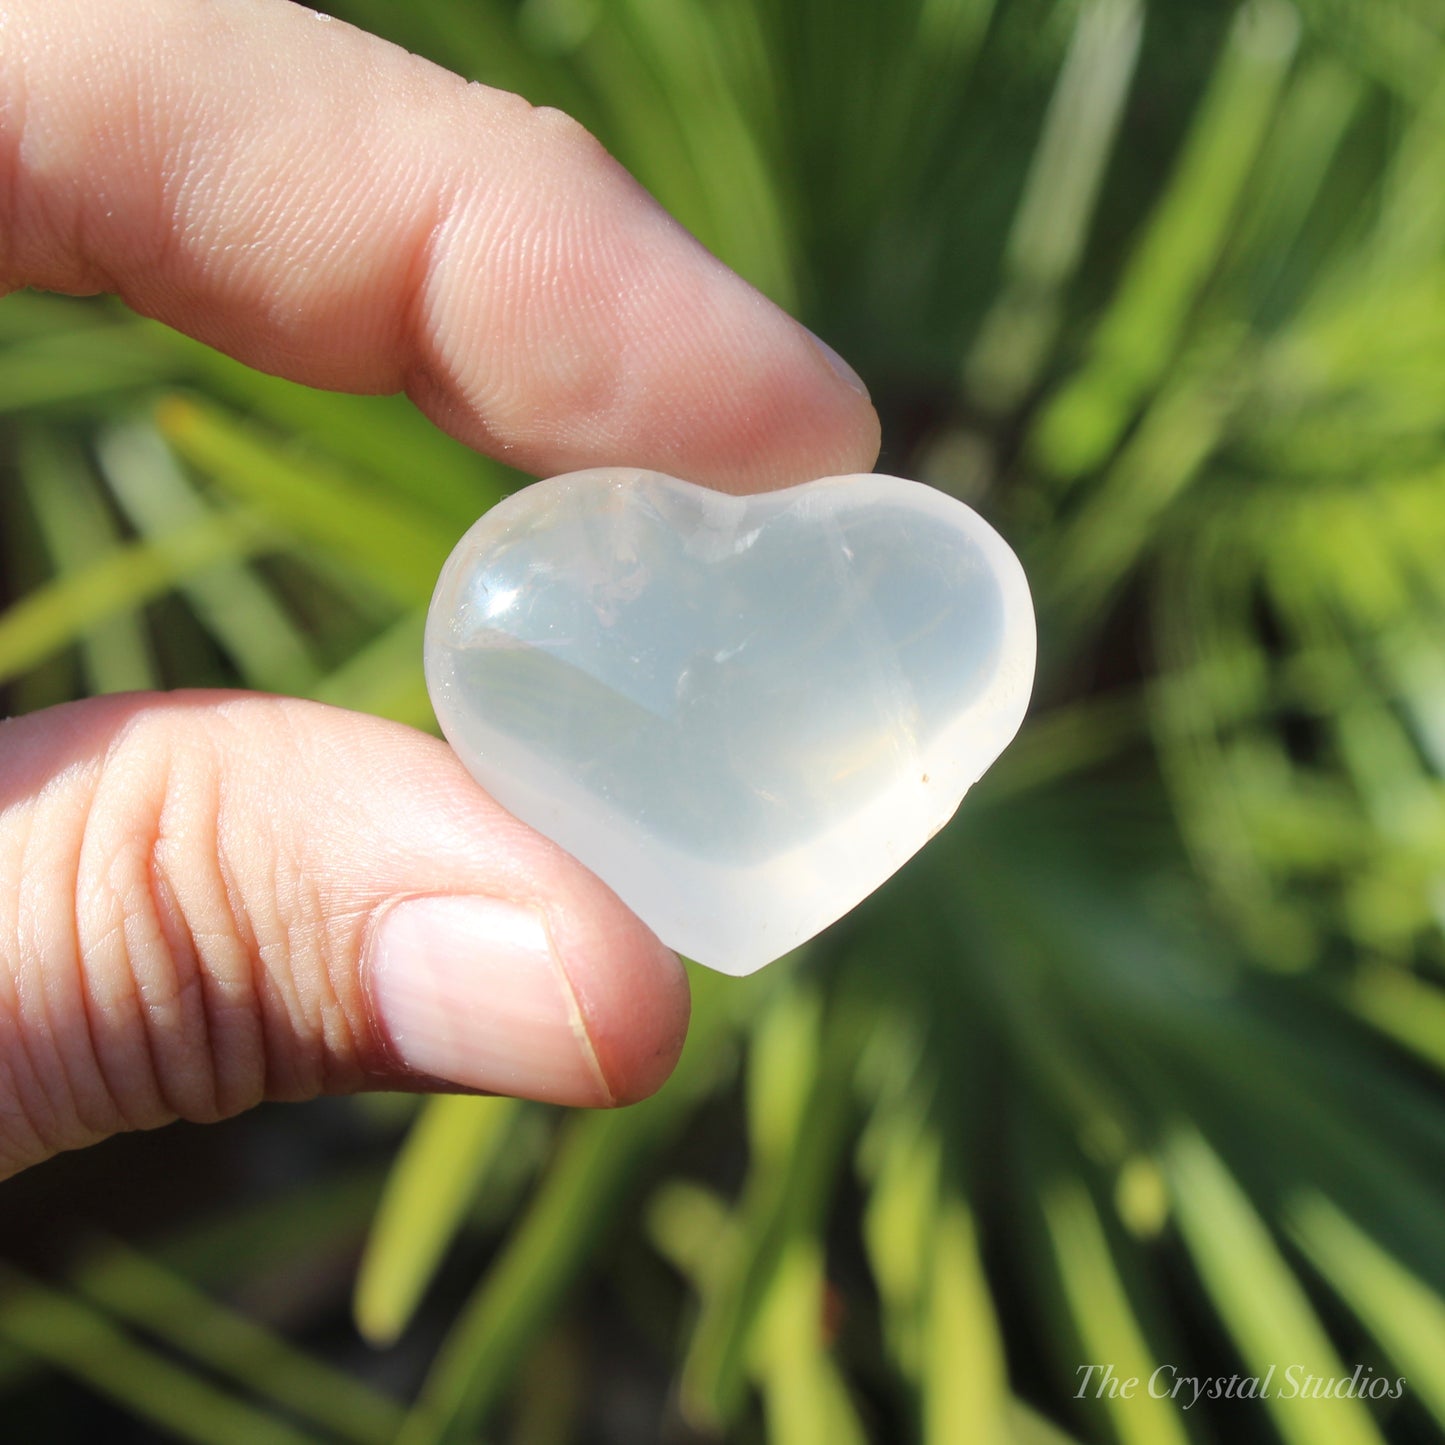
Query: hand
[211, 899]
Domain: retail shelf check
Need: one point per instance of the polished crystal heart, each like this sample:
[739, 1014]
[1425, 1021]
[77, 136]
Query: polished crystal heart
[743, 713]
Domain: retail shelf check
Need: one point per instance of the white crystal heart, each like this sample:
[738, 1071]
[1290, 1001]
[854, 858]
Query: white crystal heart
[742, 713]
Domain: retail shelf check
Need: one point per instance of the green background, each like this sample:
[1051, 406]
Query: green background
[1140, 1062]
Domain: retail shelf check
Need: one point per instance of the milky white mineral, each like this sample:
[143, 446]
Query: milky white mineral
[742, 713]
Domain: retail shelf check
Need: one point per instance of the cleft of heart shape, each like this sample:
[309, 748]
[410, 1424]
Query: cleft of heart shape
[742, 713]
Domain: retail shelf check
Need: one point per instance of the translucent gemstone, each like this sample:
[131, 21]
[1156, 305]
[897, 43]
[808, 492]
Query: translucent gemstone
[742, 713]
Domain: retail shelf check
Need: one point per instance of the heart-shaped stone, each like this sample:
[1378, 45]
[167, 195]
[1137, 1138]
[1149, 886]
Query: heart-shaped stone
[743, 713]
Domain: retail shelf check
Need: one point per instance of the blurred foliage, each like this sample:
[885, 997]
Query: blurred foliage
[1140, 1062]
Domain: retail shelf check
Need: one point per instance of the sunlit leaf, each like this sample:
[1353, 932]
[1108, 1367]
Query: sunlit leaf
[1106, 1322]
[72, 1336]
[140, 1291]
[398, 547]
[1182, 241]
[231, 601]
[1401, 1310]
[66, 609]
[803, 1392]
[78, 532]
[964, 1379]
[431, 1188]
[1261, 1302]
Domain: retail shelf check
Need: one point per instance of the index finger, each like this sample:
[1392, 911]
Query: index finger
[325, 206]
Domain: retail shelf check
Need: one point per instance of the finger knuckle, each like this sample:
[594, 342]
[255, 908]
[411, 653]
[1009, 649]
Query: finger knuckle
[146, 994]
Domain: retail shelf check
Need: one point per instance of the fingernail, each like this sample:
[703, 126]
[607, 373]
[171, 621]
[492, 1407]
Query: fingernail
[470, 990]
[841, 367]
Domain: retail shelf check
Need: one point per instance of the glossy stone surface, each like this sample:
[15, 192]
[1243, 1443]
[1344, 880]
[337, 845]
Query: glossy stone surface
[743, 713]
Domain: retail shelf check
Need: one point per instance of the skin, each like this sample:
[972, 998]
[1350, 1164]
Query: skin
[188, 882]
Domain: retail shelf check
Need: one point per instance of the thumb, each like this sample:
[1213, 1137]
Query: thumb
[211, 899]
